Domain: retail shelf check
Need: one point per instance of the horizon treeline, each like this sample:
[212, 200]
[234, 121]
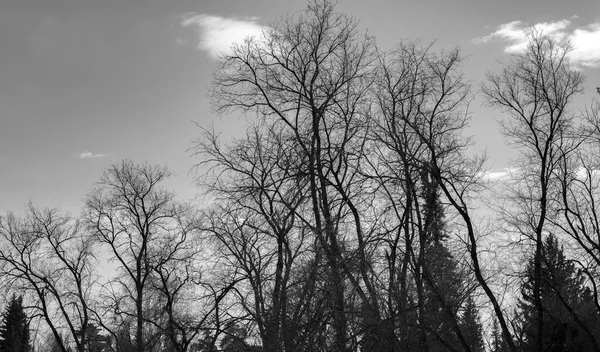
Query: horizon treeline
[353, 215]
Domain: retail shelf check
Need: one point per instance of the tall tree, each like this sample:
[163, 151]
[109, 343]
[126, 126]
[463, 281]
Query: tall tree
[310, 74]
[536, 92]
[420, 112]
[14, 331]
[471, 324]
[580, 196]
[255, 222]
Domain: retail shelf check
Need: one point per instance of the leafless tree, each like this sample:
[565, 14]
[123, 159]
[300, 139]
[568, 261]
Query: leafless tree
[259, 188]
[311, 76]
[577, 210]
[48, 256]
[535, 92]
[417, 153]
[310, 73]
[145, 230]
[187, 300]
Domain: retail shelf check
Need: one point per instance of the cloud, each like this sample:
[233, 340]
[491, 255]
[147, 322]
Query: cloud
[584, 39]
[586, 42]
[499, 175]
[90, 155]
[496, 175]
[216, 34]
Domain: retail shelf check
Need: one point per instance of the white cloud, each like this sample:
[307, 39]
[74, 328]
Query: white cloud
[500, 175]
[586, 42]
[90, 155]
[492, 176]
[216, 34]
[584, 39]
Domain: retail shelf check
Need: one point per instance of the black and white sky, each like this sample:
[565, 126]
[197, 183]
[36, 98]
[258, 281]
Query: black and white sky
[84, 83]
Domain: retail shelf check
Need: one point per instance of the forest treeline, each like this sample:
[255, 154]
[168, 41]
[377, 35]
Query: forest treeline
[351, 216]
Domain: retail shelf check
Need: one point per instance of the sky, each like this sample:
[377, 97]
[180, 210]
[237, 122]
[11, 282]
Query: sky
[86, 83]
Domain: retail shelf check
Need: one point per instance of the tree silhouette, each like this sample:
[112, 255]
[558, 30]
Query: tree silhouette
[536, 92]
[471, 325]
[46, 256]
[145, 230]
[567, 303]
[14, 332]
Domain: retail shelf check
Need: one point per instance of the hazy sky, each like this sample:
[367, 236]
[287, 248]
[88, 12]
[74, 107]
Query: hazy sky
[84, 83]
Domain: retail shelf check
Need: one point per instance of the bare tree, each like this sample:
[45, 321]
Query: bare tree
[145, 230]
[259, 188]
[312, 76]
[49, 257]
[186, 300]
[310, 73]
[535, 92]
[577, 174]
[420, 114]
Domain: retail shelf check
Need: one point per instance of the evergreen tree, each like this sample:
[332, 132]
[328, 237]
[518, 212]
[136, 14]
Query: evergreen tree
[14, 331]
[52, 344]
[96, 342]
[123, 340]
[235, 339]
[444, 284]
[471, 326]
[443, 295]
[498, 342]
[566, 303]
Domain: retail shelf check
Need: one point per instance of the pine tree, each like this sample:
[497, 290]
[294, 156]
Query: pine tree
[498, 342]
[52, 344]
[471, 326]
[443, 288]
[444, 284]
[563, 295]
[14, 331]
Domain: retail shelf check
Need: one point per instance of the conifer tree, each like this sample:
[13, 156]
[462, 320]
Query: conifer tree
[14, 331]
[471, 326]
[52, 344]
[566, 302]
[498, 344]
[444, 282]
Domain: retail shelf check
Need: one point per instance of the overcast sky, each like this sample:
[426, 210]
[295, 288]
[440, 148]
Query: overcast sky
[85, 83]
